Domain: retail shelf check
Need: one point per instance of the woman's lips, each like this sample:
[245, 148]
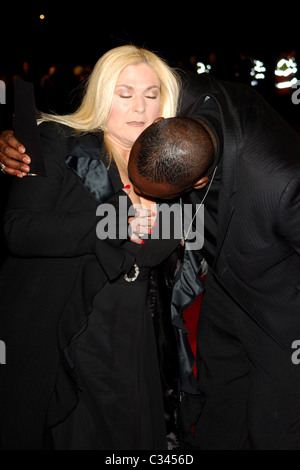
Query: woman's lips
[136, 123]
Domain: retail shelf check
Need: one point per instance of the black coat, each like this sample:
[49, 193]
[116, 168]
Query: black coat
[56, 266]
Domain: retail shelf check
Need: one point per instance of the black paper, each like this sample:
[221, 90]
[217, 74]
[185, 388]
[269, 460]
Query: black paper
[25, 126]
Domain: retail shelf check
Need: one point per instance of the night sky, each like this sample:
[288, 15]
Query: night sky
[82, 33]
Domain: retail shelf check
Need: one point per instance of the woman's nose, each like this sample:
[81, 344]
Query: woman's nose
[139, 105]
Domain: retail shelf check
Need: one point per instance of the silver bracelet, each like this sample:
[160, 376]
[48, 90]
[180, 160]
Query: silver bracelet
[136, 273]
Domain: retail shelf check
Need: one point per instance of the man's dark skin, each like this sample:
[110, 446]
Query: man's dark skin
[143, 187]
[13, 155]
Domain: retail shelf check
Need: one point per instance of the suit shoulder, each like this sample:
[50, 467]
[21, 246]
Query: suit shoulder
[56, 141]
[55, 130]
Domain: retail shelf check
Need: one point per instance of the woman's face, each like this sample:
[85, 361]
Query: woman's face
[136, 104]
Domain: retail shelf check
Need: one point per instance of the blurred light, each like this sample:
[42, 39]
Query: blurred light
[201, 68]
[42, 17]
[285, 71]
[257, 71]
[285, 67]
[287, 84]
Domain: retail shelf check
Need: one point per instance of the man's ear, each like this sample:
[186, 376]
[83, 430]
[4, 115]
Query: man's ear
[201, 183]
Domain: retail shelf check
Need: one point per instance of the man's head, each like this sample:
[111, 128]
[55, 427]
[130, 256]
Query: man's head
[170, 158]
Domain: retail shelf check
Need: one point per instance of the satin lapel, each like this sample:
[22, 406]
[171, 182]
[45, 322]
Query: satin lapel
[84, 160]
[187, 287]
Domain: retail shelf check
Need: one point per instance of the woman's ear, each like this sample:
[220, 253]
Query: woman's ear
[201, 183]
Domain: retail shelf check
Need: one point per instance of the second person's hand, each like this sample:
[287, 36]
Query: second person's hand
[12, 155]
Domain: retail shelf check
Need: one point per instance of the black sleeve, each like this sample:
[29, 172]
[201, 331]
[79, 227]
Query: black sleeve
[164, 240]
[32, 224]
[34, 227]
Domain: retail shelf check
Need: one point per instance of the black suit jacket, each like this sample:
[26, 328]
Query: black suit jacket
[258, 241]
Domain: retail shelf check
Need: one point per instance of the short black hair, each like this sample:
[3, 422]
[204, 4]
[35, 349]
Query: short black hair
[175, 150]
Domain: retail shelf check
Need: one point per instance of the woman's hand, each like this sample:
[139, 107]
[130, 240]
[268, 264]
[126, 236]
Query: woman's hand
[13, 156]
[141, 223]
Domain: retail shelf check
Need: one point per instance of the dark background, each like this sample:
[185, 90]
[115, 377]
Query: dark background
[79, 33]
[83, 31]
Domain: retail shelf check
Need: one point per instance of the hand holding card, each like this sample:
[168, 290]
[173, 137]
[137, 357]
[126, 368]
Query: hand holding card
[25, 125]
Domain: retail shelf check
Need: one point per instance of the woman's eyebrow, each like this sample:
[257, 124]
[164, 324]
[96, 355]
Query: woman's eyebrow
[129, 87]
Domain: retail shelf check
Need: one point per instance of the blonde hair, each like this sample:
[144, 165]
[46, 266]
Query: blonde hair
[95, 108]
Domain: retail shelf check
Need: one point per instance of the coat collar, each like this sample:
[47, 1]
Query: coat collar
[85, 161]
[208, 86]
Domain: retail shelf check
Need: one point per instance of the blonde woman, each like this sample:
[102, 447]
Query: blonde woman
[81, 369]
